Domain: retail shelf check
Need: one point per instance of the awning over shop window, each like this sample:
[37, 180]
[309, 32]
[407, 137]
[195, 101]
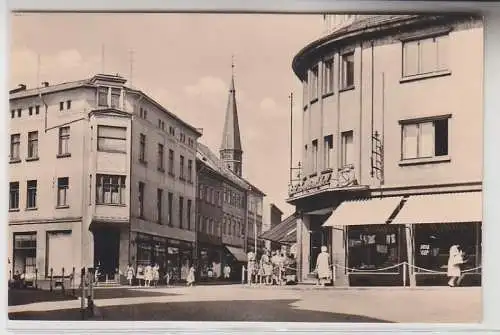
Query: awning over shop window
[290, 237]
[238, 253]
[441, 208]
[282, 232]
[364, 212]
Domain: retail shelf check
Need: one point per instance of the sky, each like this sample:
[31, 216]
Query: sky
[183, 61]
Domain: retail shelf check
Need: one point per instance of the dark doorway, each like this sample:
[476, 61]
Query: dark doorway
[319, 237]
[106, 252]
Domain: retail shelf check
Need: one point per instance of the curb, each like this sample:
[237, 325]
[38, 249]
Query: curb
[364, 288]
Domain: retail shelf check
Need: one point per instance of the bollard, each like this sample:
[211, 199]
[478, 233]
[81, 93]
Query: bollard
[82, 306]
[404, 274]
[51, 278]
[36, 278]
[242, 275]
[62, 280]
[73, 281]
[334, 274]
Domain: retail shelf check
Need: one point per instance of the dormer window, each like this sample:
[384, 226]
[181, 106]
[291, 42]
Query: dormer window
[102, 97]
[115, 97]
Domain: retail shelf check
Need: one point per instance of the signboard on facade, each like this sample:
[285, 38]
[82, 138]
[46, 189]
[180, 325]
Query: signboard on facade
[345, 178]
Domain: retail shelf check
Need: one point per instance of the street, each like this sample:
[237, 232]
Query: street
[285, 304]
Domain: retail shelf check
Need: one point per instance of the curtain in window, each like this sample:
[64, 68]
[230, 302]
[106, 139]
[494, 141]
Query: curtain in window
[111, 138]
[410, 135]
[426, 139]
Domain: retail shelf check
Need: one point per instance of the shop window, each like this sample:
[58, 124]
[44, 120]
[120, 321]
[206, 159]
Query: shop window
[112, 139]
[372, 248]
[33, 145]
[15, 143]
[14, 195]
[313, 83]
[347, 153]
[110, 189]
[425, 139]
[348, 70]
[328, 76]
[144, 251]
[425, 56]
[24, 253]
[60, 253]
[62, 192]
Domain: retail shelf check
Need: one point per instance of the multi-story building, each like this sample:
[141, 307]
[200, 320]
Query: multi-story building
[271, 219]
[392, 148]
[100, 175]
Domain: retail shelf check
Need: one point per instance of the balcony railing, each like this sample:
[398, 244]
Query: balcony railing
[342, 178]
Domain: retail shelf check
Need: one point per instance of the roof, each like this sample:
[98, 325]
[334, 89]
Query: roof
[285, 231]
[231, 138]
[50, 89]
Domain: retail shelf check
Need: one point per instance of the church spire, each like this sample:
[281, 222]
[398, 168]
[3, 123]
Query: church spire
[230, 150]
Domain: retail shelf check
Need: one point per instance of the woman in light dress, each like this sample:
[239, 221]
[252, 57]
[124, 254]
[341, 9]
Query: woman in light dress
[156, 275]
[140, 274]
[130, 274]
[267, 267]
[323, 266]
[148, 274]
[190, 276]
[455, 260]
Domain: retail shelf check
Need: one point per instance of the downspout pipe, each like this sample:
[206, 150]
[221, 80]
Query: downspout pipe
[40, 95]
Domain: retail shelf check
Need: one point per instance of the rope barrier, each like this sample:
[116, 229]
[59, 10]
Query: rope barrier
[369, 270]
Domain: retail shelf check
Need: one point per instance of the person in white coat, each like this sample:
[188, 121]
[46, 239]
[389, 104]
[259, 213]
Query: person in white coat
[455, 261]
[323, 266]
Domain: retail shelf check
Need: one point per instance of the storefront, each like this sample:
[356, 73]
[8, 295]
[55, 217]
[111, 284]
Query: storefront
[210, 262]
[236, 258]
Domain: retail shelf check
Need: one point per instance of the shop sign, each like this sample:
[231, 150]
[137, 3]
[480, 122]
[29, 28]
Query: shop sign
[345, 178]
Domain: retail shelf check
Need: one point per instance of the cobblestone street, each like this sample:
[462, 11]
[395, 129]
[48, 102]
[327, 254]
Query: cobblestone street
[288, 304]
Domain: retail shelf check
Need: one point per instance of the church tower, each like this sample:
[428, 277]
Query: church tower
[230, 149]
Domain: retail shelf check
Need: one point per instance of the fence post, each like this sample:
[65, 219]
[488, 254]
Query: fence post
[404, 274]
[73, 281]
[82, 304]
[51, 277]
[62, 281]
[36, 277]
[90, 296]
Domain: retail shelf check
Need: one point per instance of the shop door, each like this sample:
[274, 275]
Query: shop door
[106, 252]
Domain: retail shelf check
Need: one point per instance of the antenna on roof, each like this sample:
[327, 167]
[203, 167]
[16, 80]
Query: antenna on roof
[131, 52]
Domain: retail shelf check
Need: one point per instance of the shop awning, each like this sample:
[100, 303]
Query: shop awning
[364, 212]
[441, 208]
[238, 253]
[290, 237]
[280, 231]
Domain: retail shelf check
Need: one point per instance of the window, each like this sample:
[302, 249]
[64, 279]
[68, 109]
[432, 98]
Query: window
[13, 113]
[171, 130]
[328, 152]
[425, 55]
[306, 159]
[15, 143]
[170, 204]
[305, 87]
[190, 171]
[181, 167]
[313, 83]
[115, 97]
[102, 96]
[112, 139]
[200, 191]
[159, 204]
[30, 111]
[68, 104]
[64, 141]
[348, 70]
[161, 166]
[328, 76]
[189, 205]
[62, 191]
[31, 194]
[171, 162]
[181, 212]
[37, 109]
[61, 105]
[425, 139]
[142, 148]
[14, 195]
[110, 189]
[33, 144]
[24, 257]
[19, 112]
[347, 148]
[315, 156]
[141, 199]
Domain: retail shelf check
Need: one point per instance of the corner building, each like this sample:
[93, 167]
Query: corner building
[100, 175]
[392, 148]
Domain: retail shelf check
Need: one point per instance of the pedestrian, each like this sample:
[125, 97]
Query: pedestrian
[167, 278]
[455, 261]
[140, 274]
[130, 274]
[323, 266]
[156, 275]
[227, 272]
[190, 277]
[148, 275]
[267, 266]
[251, 260]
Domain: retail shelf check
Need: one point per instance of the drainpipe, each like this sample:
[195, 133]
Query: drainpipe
[46, 110]
[360, 114]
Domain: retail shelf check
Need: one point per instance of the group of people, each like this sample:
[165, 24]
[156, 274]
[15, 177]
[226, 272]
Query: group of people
[273, 268]
[149, 275]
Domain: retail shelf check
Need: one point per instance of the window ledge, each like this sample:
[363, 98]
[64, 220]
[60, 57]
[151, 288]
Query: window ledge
[326, 95]
[347, 88]
[429, 160]
[31, 159]
[62, 207]
[14, 161]
[63, 155]
[111, 205]
[423, 76]
[14, 210]
[31, 208]
[112, 151]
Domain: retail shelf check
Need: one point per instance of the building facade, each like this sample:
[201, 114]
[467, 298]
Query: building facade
[100, 175]
[392, 148]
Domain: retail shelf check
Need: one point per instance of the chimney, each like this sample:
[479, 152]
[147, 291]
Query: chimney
[45, 84]
[20, 88]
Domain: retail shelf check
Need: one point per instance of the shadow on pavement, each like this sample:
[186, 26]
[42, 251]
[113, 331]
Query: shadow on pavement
[253, 310]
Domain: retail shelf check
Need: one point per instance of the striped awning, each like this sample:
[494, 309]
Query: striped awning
[364, 212]
[442, 208]
[283, 232]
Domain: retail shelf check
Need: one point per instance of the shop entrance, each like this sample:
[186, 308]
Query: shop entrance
[106, 252]
[319, 237]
